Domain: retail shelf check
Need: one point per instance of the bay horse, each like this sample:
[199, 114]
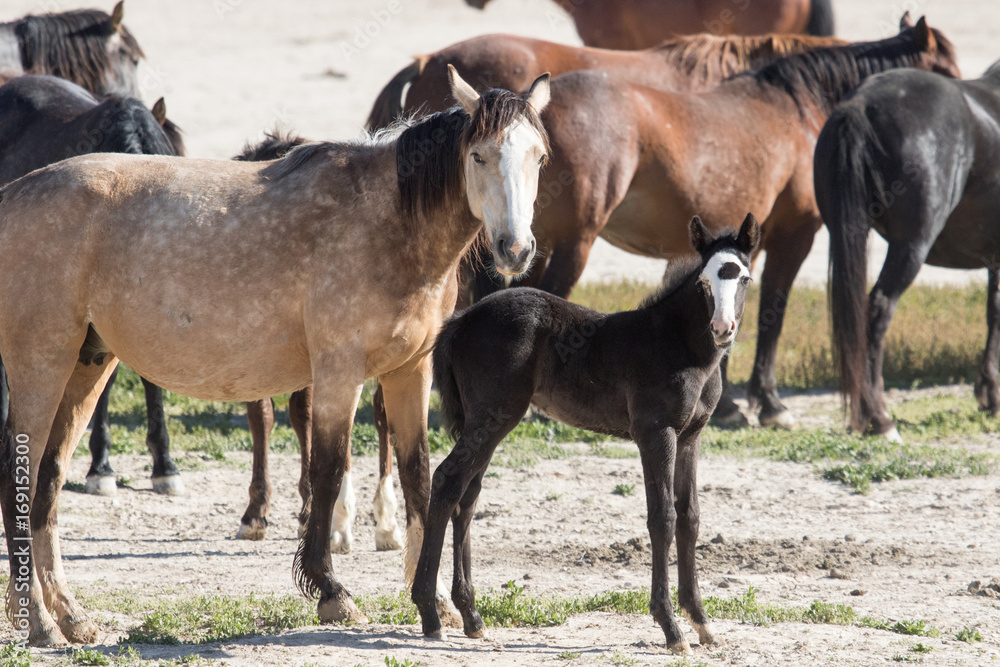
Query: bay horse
[690, 62]
[650, 375]
[88, 47]
[260, 417]
[633, 164]
[640, 24]
[916, 157]
[44, 119]
[157, 261]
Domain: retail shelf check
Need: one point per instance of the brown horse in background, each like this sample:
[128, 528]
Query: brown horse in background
[692, 62]
[633, 165]
[640, 24]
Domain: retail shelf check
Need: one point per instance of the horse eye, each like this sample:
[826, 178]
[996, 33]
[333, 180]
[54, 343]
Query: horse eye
[542, 160]
[478, 158]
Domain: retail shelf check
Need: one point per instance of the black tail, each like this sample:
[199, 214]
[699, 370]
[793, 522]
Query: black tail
[847, 181]
[389, 103]
[452, 412]
[821, 19]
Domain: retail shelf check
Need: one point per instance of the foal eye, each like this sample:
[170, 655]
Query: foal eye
[478, 158]
[744, 280]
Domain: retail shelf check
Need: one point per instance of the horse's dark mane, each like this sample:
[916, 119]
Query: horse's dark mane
[71, 45]
[275, 145]
[428, 154]
[175, 137]
[822, 77]
[294, 159]
[134, 129]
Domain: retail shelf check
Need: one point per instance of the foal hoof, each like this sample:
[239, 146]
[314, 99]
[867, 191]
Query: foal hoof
[169, 485]
[255, 532]
[101, 485]
[340, 610]
[783, 419]
[680, 647]
[79, 631]
[389, 540]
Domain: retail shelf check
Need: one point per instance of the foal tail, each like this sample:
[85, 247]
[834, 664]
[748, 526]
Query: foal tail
[845, 177]
[452, 414]
[389, 103]
[820, 19]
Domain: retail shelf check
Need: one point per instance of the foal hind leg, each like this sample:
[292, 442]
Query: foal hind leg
[300, 416]
[388, 535]
[260, 418]
[987, 390]
[101, 476]
[688, 521]
[463, 593]
[166, 477]
[786, 250]
[75, 409]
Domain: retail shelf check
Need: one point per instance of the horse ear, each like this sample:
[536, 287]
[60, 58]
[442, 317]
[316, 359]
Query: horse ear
[117, 14]
[749, 236]
[925, 38]
[905, 21]
[700, 236]
[540, 93]
[463, 92]
[160, 112]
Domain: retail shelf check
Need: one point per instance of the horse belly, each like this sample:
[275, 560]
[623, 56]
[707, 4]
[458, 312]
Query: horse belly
[642, 224]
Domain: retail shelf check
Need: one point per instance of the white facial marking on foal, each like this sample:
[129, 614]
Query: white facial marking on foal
[723, 289]
[341, 536]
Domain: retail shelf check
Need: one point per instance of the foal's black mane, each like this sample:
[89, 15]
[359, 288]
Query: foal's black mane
[683, 269]
[135, 130]
[823, 76]
[71, 45]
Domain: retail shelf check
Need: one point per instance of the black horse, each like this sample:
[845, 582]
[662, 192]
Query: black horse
[44, 119]
[651, 375]
[85, 46]
[916, 156]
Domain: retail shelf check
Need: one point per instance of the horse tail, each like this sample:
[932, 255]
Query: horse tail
[389, 103]
[452, 412]
[820, 18]
[845, 176]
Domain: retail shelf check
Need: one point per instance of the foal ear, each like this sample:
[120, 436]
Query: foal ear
[905, 21]
[925, 38]
[540, 93]
[160, 112]
[117, 14]
[463, 92]
[749, 236]
[700, 236]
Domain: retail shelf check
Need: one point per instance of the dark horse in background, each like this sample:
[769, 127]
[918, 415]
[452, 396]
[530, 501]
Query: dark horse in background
[44, 119]
[916, 157]
[88, 47]
[640, 24]
[650, 375]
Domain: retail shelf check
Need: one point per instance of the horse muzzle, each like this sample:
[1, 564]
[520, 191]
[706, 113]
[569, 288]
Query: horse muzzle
[513, 256]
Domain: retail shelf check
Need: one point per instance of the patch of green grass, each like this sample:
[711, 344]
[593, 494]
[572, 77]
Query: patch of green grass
[86, 656]
[968, 635]
[390, 609]
[915, 628]
[567, 655]
[392, 661]
[75, 487]
[623, 489]
[620, 659]
[921, 648]
[14, 655]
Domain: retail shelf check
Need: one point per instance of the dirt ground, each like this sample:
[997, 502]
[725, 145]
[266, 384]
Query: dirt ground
[913, 547]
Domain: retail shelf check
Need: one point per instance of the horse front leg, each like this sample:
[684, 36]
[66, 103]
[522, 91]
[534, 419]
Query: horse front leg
[987, 390]
[407, 394]
[566, 264]
[786, 250]
[335, 399]
[260, 419]
[388, 534]
[657, 450]
[101, 476]
[688, 522]
[166, 478]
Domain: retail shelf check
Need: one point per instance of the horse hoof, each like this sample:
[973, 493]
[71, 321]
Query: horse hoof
[340, 610]
[475, 628]
[783, 419]
[449, 615]
[388, 540]
[340, 543]
[255, 533]
[434, 634]
[734, 419]
[101, 485]
[79, 632]
[680, 647]
[169, 485]
[705, 636]
[893, 436]
[48, 637]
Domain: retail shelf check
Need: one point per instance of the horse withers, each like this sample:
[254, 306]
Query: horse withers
[650, 375]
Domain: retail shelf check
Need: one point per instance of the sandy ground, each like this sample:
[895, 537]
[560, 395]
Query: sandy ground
[231, 68]
[912, 547]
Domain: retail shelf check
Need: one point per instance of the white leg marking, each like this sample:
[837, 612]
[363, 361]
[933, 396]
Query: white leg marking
[388, 534]
[100, 485]
[343, 517]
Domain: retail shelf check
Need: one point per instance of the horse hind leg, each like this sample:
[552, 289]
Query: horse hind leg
[987, 391]
[344, 510]
[260, 418]
[166, 478]
[388, 534]
[101, 476]
[300, 416]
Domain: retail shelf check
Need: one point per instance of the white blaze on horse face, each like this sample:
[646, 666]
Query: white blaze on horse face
[502, 183]
[722, 277]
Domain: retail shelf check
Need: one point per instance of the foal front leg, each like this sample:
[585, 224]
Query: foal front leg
[657, 449]
[688, 522]
[987, 390]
